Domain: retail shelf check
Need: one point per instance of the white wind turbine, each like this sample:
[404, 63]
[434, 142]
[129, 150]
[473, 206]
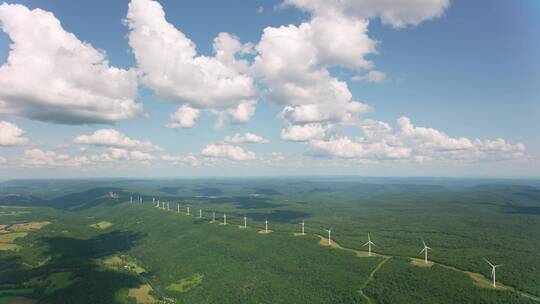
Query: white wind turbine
[493, 267]
[245, 221]
[266, 225]
[177, 208]
[302, 227]
[425, 251]
[369, 243]
[329, 236]
[168, 206]
[213, 217]
[200, 213]
[224, 219]
[187, 211]
[131, 199]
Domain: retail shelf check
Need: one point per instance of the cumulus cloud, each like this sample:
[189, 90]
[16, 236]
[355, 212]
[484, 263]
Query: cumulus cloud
[46, 158]
[50, 75]
[396, 13]
[11, 135]
[247, 138]
[113, 138]
[292, 63]
[346, 148]
[381, 142]
[189, 159]
[371, 76]
[227, 151]
[169, 65]
[303, 132]
[184, 118]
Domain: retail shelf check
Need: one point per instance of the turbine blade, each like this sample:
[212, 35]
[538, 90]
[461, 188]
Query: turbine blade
[365, 244]
[488, 262]
[422, 250]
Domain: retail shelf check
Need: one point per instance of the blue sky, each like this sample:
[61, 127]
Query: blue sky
[463, 77]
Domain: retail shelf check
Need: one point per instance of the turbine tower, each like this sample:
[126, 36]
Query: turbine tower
[200, 213]
[369, 243]
[493, 267]
[213, 217]
[329, 236]
[168, 205]
[245, 221]
[177, 208]
[131, 199]
[425, 251]
[302, 227]
[266, 225]
[224, 219]
[187, 211]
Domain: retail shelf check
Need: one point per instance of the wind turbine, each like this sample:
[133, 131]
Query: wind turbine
[302, 227]
[177, 208]
[153, 200]
[213, 217]
[329, 236]
[425, 251]
[224, 219]
[266, 225]
[187, 211]
[493, 267]
[369, 243]
[131, 199]
[157, 204]
[168, 205]
[245, 221]
[200, 213]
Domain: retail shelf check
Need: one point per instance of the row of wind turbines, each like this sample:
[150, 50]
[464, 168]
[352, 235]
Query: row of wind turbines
[166, 206]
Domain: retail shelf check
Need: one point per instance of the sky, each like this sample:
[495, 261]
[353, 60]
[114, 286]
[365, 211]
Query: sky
[148, 88]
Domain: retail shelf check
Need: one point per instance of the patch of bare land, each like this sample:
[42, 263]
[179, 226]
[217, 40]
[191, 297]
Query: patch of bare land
[421, 263]
[142, 294]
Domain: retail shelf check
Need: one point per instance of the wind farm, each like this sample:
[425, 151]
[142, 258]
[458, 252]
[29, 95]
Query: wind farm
[395, 256]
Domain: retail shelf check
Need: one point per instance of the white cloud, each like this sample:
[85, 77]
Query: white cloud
[184, 118]
[303, 132]
[409, 142]
[247, 138]
[50, 75]
[371, 76]
[181, 159]
[113, 138]
[346, 148]
[239, 115]
[293, 61]
[396, 13]
[46, 158]
[11, 135]
[227, 151]
[169, 65]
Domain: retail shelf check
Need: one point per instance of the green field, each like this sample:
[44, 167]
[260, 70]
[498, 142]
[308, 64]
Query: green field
[150, 254]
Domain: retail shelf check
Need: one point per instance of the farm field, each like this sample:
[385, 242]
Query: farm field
[77, 244]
